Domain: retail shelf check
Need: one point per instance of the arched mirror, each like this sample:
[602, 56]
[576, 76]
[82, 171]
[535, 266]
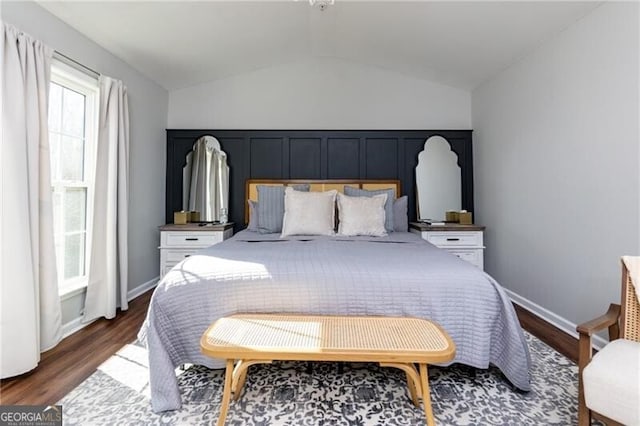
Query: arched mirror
[438, 180]
[205, 181]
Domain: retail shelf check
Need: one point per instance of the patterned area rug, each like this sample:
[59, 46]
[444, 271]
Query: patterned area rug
[289, 393]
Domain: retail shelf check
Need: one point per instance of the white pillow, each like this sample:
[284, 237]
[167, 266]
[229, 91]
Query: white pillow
[309, 213]
[362, 215]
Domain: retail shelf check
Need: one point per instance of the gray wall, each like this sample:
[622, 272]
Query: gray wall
[556, 148]
[321, 93]
[148, 108]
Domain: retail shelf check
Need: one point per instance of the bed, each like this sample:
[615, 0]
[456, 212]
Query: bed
[395, 275]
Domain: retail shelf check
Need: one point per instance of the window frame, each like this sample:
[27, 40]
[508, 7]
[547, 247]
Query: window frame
[78, 81]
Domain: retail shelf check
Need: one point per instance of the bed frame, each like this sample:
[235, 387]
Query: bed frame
[315, 154]
[251, 188]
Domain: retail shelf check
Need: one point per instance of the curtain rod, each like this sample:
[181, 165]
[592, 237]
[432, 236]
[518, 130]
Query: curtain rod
[74, 63]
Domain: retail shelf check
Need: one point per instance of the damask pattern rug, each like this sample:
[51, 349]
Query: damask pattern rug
[322, 394]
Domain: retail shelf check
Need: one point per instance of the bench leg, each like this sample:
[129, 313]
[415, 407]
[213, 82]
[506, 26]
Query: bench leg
[240, 375]
[226, 394]
[413, 381]
[412, 390]
[426, 395]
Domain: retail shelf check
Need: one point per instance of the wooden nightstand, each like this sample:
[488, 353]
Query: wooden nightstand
[465, 241]
[178, 242]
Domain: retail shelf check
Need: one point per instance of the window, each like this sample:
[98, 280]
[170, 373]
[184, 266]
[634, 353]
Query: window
[72, 138]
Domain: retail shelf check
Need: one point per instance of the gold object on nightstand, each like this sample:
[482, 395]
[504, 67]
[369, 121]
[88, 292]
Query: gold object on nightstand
[452, 216]
[465, 218]
[193, 216]
[181, 217]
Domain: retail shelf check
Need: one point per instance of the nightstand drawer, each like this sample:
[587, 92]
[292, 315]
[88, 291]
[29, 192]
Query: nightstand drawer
[464, 241]
[178, 242]
[191, 239]
[473, 256]
[176, 256]
[455, 239]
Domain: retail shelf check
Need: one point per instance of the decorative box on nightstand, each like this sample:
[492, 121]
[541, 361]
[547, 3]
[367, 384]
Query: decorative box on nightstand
[465, 241]
[178, 242]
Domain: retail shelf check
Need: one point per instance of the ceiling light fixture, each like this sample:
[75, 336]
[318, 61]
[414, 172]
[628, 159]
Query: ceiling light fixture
[321, 4]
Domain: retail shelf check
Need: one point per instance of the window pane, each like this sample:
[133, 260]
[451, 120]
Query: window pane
[55, 107]
[74, 209]
[54, 153]
[72, 113]
[68, 102]
[72, 157]
[74, 256]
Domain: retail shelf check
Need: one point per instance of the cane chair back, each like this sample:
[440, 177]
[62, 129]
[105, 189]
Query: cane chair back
[630, 308]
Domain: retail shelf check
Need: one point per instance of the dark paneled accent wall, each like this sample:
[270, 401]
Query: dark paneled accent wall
[315, 154]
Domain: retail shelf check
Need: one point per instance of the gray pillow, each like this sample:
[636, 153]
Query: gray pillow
[388, 206]
[253, 216]
[400, 217]
[271, 207]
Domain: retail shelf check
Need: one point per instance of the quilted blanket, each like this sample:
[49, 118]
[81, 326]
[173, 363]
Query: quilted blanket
[398, 275]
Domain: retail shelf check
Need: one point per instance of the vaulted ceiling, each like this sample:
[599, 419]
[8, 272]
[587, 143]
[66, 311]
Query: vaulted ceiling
[180, 44]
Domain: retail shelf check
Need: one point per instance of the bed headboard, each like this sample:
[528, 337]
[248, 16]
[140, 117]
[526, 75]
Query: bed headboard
[251, 189]
[315, 154]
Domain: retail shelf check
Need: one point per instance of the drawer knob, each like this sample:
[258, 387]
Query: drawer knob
[453, 239]
[191, 239]
[187, 255]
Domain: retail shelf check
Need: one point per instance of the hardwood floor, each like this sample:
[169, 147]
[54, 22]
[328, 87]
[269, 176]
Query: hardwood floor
[64, 367]
[79, 355]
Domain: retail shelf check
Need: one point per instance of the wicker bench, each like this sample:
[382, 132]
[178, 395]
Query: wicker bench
[392, 342]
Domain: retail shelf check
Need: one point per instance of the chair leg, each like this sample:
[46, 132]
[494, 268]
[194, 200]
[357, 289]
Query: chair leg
[584, 414]
[584, 356]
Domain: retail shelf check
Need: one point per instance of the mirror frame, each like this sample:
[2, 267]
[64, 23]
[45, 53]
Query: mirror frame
[453, 169]
[462, 148]
[188, 169]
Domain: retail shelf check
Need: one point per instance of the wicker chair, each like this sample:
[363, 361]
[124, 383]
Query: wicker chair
[609, 383]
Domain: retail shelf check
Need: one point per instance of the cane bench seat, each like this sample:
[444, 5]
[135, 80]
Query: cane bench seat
[398, 342]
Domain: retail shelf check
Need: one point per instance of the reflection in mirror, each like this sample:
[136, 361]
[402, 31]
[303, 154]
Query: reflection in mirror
[205, 181]
[438, 180]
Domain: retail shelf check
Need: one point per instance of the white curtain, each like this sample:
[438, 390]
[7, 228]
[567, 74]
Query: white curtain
[208, 186]
[30, 320]
[108, 265]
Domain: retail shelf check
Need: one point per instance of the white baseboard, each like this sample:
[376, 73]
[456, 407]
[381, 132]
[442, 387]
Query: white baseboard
[552, 318]
[76, 324]
[72, 326]
[142, 288]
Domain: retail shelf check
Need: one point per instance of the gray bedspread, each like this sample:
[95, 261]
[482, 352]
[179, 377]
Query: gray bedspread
[399, 275]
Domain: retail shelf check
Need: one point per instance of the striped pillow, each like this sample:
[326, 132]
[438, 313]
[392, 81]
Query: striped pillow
[253, 216]
[271, 207]
[400, 218]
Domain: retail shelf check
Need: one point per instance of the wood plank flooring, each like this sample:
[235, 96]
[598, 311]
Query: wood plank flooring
[67, 365]
[78, 356]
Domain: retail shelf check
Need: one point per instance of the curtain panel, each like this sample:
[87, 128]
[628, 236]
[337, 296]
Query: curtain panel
[108, 266]
[30, 318]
